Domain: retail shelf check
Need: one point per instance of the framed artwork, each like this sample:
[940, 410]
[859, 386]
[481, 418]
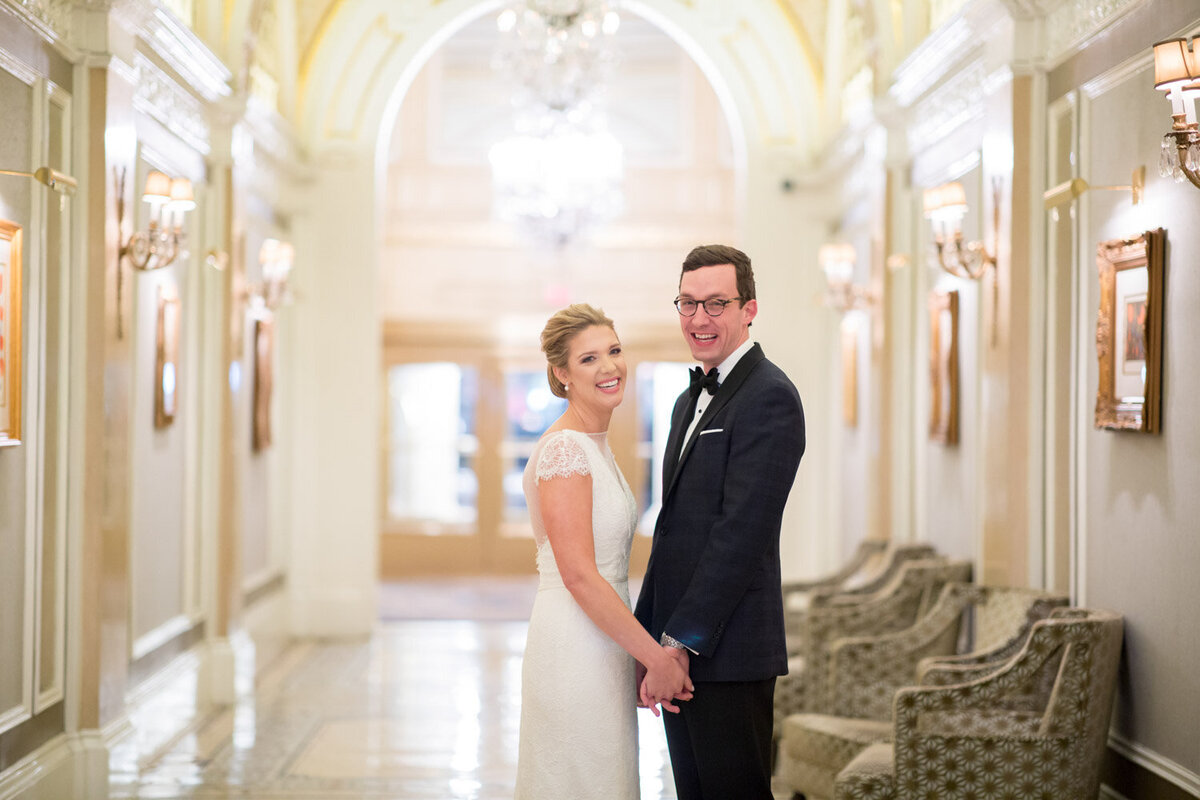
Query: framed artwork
[264, 357]
[1129, 332]
[943, 367]
[849, 373]
[166, 360]
[10, 333]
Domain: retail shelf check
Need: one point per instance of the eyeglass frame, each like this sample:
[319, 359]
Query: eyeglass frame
[704, 303]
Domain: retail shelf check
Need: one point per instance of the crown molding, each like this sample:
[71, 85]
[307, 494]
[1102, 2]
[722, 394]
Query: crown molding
[178, 47]
[51, 19]
[1072, 25]
[160, 97]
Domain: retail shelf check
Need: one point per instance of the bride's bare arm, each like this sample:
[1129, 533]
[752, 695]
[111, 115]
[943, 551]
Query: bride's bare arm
[566, 506]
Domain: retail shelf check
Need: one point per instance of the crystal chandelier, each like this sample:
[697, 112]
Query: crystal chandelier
[560, 172]
[558, 51]
[559, 178]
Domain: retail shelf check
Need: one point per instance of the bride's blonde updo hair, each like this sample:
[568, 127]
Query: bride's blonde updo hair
[560, 329]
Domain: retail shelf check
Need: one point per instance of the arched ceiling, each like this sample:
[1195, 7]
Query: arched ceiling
[788, 69]
[351, 55]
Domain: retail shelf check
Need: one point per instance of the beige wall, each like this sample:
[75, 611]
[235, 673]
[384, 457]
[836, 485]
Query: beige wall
[1138, 505]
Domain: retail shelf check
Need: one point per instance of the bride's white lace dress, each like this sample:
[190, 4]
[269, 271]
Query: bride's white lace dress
[578, 698]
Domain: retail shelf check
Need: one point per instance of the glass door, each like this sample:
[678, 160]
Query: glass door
[461, 421]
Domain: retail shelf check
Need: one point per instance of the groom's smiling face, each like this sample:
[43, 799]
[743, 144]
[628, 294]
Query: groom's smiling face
[712, 339]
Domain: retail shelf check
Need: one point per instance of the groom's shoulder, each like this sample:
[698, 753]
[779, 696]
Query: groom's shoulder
[768, 371]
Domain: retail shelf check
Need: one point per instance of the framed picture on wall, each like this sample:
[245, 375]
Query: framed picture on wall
[943, 367]
[1129, 332]
[264, 357]
[850, 373]
[10, 333]
[166, 360]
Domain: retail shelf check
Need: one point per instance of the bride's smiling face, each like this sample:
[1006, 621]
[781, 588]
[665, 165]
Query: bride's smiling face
[595, 371]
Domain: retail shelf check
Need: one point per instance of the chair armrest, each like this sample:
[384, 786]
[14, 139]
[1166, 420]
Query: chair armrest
[864, 671]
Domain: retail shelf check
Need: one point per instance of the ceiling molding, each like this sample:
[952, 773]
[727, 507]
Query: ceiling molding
[181, 49]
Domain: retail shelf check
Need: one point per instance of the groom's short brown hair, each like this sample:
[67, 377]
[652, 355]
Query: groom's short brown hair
[713, 255]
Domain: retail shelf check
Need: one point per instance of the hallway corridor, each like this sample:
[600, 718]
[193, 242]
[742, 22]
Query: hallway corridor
[427, 709]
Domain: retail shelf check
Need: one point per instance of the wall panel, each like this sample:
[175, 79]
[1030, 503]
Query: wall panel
[1139, 546]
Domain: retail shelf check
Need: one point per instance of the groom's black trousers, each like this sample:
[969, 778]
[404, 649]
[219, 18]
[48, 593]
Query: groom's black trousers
[720, 741]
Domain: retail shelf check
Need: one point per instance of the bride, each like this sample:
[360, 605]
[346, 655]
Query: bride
[580, 686]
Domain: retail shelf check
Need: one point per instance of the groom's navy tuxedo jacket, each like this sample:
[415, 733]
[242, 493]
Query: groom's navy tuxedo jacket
[713, 581]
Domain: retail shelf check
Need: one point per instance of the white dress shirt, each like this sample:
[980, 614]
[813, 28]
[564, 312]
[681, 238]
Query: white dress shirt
[723, 370]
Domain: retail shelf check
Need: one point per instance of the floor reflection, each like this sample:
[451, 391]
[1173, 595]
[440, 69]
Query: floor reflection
[424, 710]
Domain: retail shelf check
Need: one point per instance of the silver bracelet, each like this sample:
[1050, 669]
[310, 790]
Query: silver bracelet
[666, 640]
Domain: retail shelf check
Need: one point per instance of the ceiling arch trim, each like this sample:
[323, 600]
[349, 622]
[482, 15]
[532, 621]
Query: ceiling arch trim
[364, 53]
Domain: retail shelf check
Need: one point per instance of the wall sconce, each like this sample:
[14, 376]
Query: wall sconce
[275, 258]
[60, 182]
[841, 293]
[1067, 191]
[945, 206]
[162, 241]
[1177, 72]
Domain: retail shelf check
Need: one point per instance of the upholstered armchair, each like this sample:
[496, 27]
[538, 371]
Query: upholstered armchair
[856, 585]
[795, 593]
[898, 605]
[865, 672]
[1034, 728]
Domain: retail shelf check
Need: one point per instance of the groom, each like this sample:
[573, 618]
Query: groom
[712, 593]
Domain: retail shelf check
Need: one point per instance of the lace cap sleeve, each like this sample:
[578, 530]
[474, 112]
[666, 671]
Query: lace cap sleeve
[561, 457]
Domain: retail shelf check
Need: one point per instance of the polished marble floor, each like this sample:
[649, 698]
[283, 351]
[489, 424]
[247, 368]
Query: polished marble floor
[426, 709]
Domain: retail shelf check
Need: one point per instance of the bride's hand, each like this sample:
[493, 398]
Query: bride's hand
[666, 680]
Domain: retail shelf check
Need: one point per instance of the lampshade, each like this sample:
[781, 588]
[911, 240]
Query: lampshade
[837, 260]
[946, 202]
[158, 187]
[181, 195]
[1174, 62]
[269, 251]
[932, 200]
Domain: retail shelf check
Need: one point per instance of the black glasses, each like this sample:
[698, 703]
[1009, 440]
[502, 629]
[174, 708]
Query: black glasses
[714, 306]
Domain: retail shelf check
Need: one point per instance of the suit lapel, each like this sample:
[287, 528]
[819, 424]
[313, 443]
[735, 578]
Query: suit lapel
[679, 422]
[729, 388]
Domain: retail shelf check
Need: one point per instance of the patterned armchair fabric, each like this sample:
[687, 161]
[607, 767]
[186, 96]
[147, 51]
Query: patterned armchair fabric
[898, 605]
[971, 740]
[865, 673]
[855, 587]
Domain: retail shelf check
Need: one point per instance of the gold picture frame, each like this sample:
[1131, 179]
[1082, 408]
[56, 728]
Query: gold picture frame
[166, 359]
[943, 367]
[264, 366]
[850, 373]
[1129, 327]
[10, 333]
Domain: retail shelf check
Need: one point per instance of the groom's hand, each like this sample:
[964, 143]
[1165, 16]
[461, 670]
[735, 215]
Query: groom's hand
[639, 684]
[680, 654]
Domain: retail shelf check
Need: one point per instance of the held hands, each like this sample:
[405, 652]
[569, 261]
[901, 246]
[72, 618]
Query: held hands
[665, 680]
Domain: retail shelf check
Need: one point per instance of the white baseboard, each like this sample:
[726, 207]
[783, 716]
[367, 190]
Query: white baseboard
[71, 765]
[1161, 766]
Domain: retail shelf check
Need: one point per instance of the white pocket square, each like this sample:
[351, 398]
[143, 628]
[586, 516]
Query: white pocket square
[712, 430]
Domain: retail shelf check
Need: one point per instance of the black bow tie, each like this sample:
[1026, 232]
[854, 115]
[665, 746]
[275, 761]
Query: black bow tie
[700, 381]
